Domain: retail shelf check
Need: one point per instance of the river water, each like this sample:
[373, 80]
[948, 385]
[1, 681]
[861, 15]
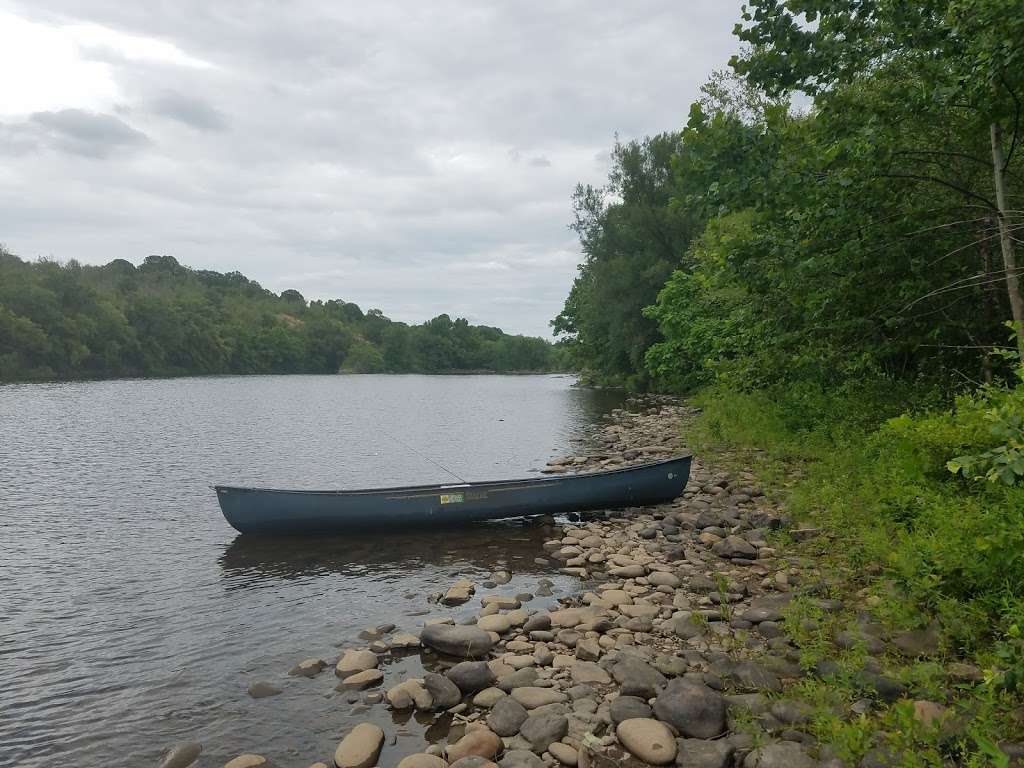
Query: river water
[133, 617]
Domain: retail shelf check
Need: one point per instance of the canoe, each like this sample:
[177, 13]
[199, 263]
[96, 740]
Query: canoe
[268, 510]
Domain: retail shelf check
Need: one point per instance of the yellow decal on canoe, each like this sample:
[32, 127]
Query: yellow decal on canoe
[451, 498]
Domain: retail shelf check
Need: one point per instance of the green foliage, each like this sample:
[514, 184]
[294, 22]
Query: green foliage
[1003, 411]
[631, 239]
[163, 319]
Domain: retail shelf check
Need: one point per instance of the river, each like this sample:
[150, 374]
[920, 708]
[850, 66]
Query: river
[133, 617]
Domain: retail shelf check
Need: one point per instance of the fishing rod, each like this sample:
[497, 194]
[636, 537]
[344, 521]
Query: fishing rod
[437, 464]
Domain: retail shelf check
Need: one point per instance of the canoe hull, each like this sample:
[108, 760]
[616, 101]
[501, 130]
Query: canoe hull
[264, 510]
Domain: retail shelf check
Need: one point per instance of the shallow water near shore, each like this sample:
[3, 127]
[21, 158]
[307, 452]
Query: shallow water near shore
[133, 617]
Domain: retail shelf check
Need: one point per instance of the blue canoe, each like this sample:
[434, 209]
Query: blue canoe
[266, 510]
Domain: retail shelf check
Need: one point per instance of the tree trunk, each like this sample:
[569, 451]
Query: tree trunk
[1009, 258]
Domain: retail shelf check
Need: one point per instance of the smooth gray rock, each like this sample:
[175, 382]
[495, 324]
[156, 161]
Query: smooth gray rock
[520, 758]
[703, 753]
[261, 690]
[471, 676]
[628, 708]
[462, 641]
[767, 608]
[506, 717]
[521, 678]
[444, 692]
[734, 546]
[686, 628]
[182, 755]
[637, 678]
[542, 730]
[692, 708]
[539, 622]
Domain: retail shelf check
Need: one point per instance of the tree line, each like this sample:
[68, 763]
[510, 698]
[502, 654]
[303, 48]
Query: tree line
[870, 232]
[160, 318]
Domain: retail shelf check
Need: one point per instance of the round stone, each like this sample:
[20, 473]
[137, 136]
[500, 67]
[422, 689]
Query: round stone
[647, 740]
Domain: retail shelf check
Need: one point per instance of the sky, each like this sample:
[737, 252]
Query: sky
[413, 157]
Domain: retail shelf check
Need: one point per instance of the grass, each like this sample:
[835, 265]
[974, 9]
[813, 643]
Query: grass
[909, 544]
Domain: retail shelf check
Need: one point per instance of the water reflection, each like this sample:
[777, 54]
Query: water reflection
[487, 546]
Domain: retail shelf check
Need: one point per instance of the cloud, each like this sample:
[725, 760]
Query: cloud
[85, 133]
[420, 159]
[190, 110]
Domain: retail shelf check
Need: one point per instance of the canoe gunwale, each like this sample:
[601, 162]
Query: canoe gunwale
[497, 484]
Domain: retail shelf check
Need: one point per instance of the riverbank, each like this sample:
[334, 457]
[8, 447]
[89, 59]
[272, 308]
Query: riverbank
[706, 633]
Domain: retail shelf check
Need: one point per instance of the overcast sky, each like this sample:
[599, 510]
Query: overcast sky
[415, 157]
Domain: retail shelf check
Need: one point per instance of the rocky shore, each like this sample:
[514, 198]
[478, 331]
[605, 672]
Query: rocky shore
[676, 650]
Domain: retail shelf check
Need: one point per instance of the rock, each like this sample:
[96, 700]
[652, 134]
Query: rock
[496, 622]
[587, 672]
[500, 601]
[692, 708]
[262, 690]
[520, 758]
[539, 622]
[587, 649]
[751, 676]
[660, 578]
[464, 642]
[703, 753]
[422, 760]
[488, 697]
[767, 608]
[564, 753]
[403, 641]
[481, 742]
[637, 678]
[501, 577]
[361, 680]
[399, 697]
[355, 661]
[532, 697]
[734, 546]
[519, 679]
[849, 639]
[459, 593]
[308, 668]
[628, 708]
[918, 642]
[542, 730]
[783, 754]
[791, 712]
[360, 747]
[182, 755]
[471, 676]
[247, 761]
[506, 716]
[686, 628]
[928, 713]
[647, 740]
[628, 571]
[443, 692]
[473, 761]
